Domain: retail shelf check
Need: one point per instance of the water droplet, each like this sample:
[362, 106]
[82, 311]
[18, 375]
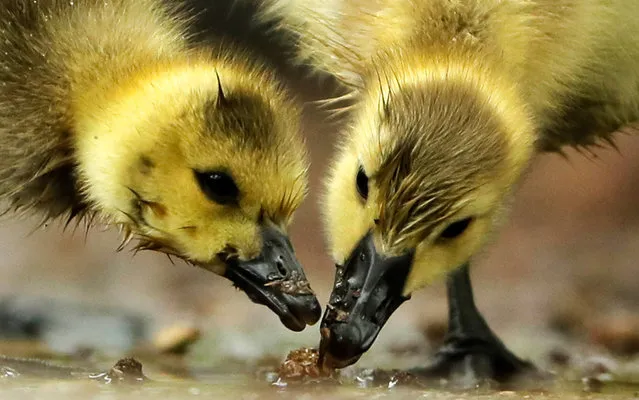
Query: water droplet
[280, 383]
[272, 276]
[6, 372]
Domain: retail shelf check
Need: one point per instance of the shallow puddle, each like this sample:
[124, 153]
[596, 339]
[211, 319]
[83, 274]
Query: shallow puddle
[220, 365]
[246, 388]
[79, 383]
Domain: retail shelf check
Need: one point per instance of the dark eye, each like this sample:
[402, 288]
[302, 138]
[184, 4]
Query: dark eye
[455, 229]
[362, 183]
[218, 186]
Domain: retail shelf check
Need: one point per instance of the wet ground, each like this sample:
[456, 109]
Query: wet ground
[249, 365]
[246, 386]
[249, 390]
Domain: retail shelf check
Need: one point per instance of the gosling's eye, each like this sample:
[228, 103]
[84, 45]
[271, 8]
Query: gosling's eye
[455, 229]
[362, 183]
[218, 186]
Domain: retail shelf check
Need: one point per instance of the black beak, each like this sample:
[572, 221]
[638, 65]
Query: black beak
[276, 279]
[367, 290]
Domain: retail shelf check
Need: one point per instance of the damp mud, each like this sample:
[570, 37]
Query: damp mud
[294, 376]
[182, 361]
[589, 356]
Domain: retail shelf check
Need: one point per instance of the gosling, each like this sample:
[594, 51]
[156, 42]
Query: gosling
[108, 114]
[450, 101]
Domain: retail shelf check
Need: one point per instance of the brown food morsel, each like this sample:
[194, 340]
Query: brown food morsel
[302, 364]
[176, 339]
[295, 285]
[126, 370]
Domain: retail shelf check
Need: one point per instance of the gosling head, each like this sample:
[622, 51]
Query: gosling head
[418, 186]
[207, 164]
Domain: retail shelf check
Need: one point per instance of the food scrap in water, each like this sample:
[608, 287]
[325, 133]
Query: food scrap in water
[7, 372]
[126, 370]
[303, 364]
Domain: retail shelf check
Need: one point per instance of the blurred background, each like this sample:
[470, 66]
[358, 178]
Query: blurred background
[562, 272]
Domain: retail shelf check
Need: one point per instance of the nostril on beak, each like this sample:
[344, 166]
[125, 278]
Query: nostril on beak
[279, 262]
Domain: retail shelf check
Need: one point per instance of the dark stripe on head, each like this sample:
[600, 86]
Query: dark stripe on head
[241, 116]
[444, 139]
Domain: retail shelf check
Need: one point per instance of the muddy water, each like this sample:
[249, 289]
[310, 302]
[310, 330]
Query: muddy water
[245, 388]
[23, 380]
[221, 366]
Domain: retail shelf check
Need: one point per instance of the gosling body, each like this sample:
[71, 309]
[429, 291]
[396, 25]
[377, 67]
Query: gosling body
[450, 102]
[107, 111]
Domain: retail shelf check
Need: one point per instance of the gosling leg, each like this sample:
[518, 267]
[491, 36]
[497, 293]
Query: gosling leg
[471, 350]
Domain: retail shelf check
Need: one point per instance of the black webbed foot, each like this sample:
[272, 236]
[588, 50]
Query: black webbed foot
[472, 354]
[469, 362]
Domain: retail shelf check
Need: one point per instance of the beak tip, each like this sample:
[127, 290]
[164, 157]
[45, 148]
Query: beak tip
[315, 313]
[295, 327]
[287, 293]
[367, 290]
